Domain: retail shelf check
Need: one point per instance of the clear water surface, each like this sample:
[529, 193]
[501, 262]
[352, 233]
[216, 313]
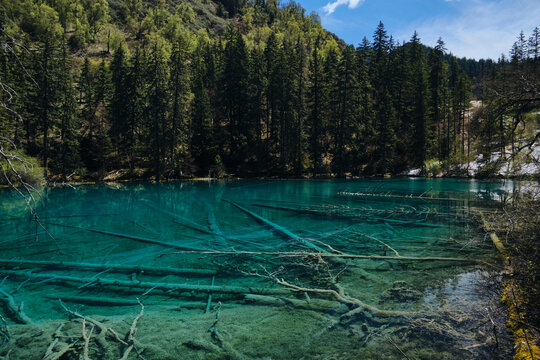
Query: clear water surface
[246, 235]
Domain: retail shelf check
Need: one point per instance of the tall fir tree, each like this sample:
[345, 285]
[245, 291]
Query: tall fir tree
[316, 106]
[437, 84]
[45, 99]
[203, 148]
[419, 106]
[299, 137]
[386, 136]
[343, 128]
[179, 85]
[273, 76]
[135, 105]
[119, 104]
[257, 110]
[364, 123]
[235, 77]
[156, 109]
[100, 145]
[68, 159]
[331, 112]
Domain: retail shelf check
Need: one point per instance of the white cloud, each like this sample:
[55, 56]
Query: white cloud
[332, 6]
[480, 28]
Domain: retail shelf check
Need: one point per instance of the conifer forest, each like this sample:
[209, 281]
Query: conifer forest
[172, 89]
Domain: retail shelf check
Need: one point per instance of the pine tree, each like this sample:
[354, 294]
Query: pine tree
[157, 104]
[386, 137]
[437, 86]
[180, 96]
[235, 77]
[203, 148]
[100, 145]
[136, 105]
[273, 76]
[316, 105]
[257, 110]
[379, 60]
[46, 95]
[347, 87]
[462, 99]
[85, 87]
[451, 130]
[301, 107]
[400, 85]
[287, 112]
[384, 112]
[364, 124]
[119, 102]
[331, 112]
[68, 157]
[202, 139]
[534, 44]
[519, 53]
[419, 111]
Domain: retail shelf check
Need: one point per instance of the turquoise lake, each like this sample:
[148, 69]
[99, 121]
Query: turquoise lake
[255, 269]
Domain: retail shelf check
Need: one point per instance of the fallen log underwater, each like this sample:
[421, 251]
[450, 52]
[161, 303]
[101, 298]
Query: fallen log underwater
[346, 193]
[367, 218]
[276, 227]
[170, 287]
[128, 236]
[332, 255]
[179, 219]
[311, 304]
[17, 311]
[109, 301]
[360, 195]
[117, 267]
[341, 209]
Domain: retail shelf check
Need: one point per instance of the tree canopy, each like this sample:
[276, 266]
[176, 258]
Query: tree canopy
[175, 88]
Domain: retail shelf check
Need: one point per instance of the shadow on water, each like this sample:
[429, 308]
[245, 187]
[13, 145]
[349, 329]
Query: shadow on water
[253, 270]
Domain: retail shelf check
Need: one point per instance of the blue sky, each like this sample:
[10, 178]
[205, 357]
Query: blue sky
[470, 28]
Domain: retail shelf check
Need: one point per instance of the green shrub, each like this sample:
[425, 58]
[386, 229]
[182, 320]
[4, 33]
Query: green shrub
[488, 170]
[25, 166]
[433, 167]
[218, 169]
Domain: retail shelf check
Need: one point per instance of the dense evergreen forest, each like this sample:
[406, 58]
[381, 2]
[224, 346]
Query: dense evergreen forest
[169, 89]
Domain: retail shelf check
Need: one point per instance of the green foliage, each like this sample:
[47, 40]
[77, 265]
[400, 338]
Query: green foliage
[489, 169]
[432, 167]
[173, 86]
[20, 165]
[67, 159]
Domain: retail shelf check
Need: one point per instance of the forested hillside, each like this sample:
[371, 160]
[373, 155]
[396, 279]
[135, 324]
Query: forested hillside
[169, 89]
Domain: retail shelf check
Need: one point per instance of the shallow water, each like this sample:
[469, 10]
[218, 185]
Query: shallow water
[424, 309]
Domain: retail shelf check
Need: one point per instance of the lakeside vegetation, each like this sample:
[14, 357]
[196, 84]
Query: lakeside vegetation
[518, 226]
[171, 89]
